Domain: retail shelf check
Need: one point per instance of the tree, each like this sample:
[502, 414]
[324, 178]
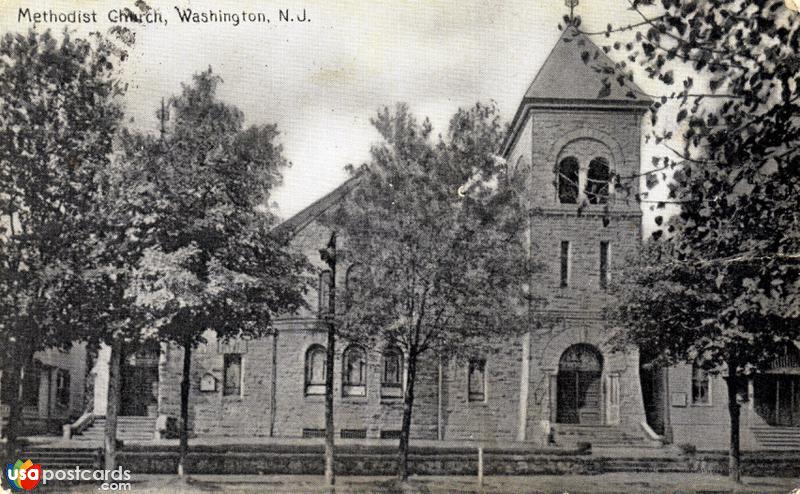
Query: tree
[61, 109]
[719, 280]
[434, 238]
[195, 200]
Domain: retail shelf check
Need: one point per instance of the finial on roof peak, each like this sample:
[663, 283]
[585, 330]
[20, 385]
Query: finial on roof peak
[571, 4]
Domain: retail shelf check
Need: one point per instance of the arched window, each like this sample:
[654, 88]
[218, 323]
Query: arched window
[392, 378]
[354, 371]
[597, 181]
[701, 386]
[352, 282]
[568, 180]
[324, 292]
[315, 370]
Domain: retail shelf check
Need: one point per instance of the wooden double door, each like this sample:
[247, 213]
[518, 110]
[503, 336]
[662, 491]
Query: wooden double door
[579, 385]
[139, 376]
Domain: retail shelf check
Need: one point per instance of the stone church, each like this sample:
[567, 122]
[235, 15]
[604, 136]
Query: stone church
[561, 383]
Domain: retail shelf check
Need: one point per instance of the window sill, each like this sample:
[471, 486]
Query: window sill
[315, 390]
[389, 392]
[702, 405]
[360, 400]
[354, 391]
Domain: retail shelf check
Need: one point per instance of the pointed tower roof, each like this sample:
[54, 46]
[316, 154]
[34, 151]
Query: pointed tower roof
[573, 76]
[566, 76]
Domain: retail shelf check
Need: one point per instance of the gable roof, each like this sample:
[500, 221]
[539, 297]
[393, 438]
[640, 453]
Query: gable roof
[317, 208]
[566, 80]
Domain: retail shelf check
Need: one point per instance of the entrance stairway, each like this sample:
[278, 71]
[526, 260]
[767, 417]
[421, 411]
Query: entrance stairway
[63, 458]
[600, 436]
[128, 429]
[777, 438]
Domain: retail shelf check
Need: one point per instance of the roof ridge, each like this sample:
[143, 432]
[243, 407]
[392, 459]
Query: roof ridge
[301, 219]
[546, 60]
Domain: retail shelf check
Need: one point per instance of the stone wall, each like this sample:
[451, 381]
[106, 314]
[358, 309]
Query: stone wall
[553, 129]
[496, 418]
[296, 411]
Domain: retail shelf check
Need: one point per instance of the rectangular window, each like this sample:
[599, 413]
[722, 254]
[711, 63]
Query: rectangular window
[604, 265]
[392, 382]
[477, 380]
[324, 291]
[62, 388]
[390, 434]
[565, 264]
[313, 432]
[30, 385]
[353, 433]
[701, 386]
[232, 374]
[316, 359]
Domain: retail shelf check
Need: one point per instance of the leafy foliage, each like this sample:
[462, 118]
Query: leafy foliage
[61, 108]
[434, 264]
[434, 236]
[720, 280]
[726, 281]
[190, 206]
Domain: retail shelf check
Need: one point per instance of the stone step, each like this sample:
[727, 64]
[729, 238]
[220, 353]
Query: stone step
[63, 458]
[599, 436]
[128, 428]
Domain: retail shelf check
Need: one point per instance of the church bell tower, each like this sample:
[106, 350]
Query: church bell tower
[575, 148]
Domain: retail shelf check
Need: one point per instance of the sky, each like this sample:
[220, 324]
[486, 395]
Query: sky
[322, 80]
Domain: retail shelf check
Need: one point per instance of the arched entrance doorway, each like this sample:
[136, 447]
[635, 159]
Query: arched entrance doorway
[579, 380]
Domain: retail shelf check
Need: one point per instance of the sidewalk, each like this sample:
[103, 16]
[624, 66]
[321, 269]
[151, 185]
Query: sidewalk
[606, 483]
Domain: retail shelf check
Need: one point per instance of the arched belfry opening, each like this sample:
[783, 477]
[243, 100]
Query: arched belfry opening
[579, 381]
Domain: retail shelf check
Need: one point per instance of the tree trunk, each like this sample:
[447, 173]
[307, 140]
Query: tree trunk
[184, 422]
[12, 377]
[408, 406]
[734, 471]
[112, 406]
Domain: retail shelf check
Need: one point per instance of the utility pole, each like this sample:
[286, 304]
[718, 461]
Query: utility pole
[328, 256]
[162, 117]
